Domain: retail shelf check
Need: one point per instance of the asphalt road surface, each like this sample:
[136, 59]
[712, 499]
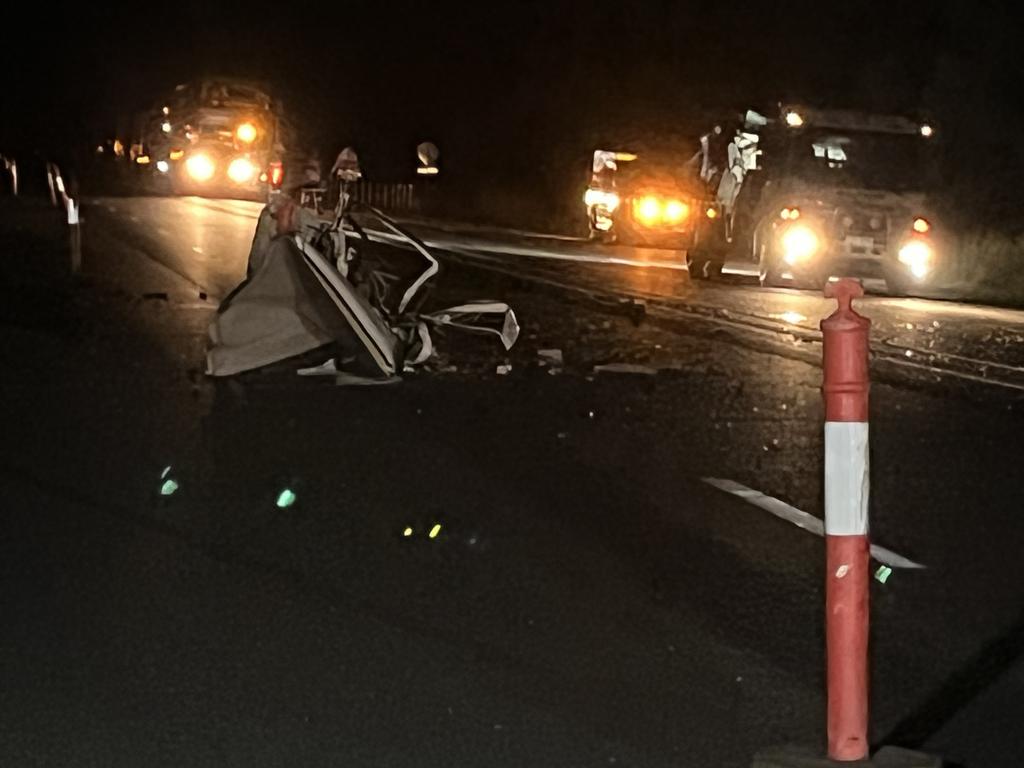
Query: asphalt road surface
[589, 599]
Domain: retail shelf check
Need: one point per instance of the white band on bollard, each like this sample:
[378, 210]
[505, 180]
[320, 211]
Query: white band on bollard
[846, 478]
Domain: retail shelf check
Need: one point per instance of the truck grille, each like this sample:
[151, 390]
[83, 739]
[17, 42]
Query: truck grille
[862, 234]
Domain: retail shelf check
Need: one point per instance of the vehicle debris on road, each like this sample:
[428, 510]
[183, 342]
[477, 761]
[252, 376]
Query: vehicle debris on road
[314, 282]
[644, 370]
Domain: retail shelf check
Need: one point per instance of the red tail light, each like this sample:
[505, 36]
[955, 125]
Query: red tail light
[276, 175]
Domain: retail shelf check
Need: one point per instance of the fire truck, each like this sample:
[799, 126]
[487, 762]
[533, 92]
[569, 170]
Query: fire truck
[216, 136]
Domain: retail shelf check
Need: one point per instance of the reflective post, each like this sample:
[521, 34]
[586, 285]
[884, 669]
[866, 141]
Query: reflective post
[845, 351]
[75, 234]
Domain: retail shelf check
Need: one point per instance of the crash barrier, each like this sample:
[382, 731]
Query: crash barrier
[387, 196]
[59, 196]
[845, 389]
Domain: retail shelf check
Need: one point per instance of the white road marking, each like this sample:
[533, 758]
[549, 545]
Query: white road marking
[801, 519]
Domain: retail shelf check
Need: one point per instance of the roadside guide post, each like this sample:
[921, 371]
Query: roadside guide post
[75, 234]
[845, 388]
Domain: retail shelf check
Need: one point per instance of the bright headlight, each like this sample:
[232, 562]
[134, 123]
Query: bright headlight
[609, 200]
[246, 133]
[799, 243]
[241, 170]
[676, 211]
[917, 255]
[647, 210]
[163, 166]
[200, 167]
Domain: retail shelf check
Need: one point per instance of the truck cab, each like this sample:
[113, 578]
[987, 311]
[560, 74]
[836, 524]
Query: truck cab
[826, 193]
[642, 199]
[218, 136]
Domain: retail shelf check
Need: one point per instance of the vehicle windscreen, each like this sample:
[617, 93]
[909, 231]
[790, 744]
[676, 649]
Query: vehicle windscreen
[234, 95]
[652, 172]
[883, 161]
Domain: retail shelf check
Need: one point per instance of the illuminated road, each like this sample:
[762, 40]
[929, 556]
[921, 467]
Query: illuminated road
[590, 599]
[206, 241]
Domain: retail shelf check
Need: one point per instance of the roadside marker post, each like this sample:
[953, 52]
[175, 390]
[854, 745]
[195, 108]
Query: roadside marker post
[75, 234]
[847, 574]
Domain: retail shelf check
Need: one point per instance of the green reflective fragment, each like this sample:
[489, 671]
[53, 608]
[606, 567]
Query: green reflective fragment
[286, 498]
[168, 487]
[883, 573]
[166, 472]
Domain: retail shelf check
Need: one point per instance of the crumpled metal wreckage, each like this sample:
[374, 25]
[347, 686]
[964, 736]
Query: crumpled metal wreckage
[311, 283]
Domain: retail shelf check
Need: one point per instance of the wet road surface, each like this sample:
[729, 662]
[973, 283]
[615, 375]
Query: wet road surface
[590, 601]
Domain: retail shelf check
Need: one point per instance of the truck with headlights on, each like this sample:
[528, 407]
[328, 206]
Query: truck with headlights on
[220, 137]
[813, 193]
[642, 199]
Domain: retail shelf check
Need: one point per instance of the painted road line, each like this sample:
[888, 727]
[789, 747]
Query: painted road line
[801, 519]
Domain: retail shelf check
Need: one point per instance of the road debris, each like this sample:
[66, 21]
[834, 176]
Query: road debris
[550, 356]
[307, 288]
[504, 369]
[883, 573]
[285, 498]
[169, 484]
[644, 370]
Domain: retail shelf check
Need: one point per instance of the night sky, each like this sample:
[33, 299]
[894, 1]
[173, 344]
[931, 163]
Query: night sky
[494, 84]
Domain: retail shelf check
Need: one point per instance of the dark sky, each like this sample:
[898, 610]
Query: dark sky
[494, 81]
[447, 62]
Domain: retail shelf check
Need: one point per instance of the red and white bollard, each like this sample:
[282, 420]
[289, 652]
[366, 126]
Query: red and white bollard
[845, 342]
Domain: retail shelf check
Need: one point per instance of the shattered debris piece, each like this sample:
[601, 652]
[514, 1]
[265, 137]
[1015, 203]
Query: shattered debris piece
[295, 299]
[169, 484]
[883, 573]
[202, 295]
[343, 379]
[503, 369]
[552, 356]
[434, 531]
[285, 498]
[644, 370]
[326, 368]
[407, 532]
